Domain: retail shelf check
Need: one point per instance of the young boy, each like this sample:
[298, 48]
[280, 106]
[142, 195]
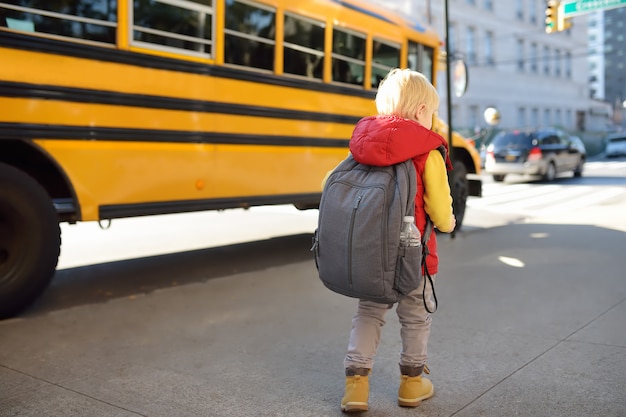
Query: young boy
[406, 102]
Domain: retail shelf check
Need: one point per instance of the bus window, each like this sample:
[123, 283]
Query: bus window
[421, 59]
[249, 34]
[303, 46]
[183, 26]
[91, 20]
[385, 57]
[348, 57]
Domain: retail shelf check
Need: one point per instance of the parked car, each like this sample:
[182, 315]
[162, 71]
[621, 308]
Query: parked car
[615, 144]
[545, 152]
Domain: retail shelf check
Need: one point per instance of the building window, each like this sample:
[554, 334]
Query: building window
[520, 55]
[546, 117]
[489, 49]
[488, 5]
[452, 40]
[249, 35]
[534, 117]
[568, 65]
[473, 116]
[546, 60]
[521, 117]
[303, 46]
[580, 120]
[557, 62]
[519, 9]
[456, 114]
[568, 118]
[532, 12]
[557, 117]
[533, 58]
[471, 47]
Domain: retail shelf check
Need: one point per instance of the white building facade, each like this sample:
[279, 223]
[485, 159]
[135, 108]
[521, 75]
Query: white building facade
[533, 78]
[596, 55]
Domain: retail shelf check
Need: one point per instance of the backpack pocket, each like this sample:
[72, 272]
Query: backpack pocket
[408, 274]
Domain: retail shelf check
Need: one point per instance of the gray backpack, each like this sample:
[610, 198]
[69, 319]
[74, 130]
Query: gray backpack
[356, 243]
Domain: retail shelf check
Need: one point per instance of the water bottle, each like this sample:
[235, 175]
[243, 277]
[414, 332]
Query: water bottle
[409, 234]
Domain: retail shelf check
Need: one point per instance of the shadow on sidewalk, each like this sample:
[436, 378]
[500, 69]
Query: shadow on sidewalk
[102, 282]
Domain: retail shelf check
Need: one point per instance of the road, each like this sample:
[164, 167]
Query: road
[596, 198]
[221, 314]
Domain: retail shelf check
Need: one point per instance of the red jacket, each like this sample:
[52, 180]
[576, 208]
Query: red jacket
[388, 140]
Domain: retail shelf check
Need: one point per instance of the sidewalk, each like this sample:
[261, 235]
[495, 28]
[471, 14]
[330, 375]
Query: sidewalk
[530, 323]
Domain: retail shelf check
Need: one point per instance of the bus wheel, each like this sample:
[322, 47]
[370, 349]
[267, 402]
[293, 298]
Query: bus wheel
[460, 191]
[30, 240]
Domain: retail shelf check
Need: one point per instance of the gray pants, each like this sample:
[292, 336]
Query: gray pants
[369, 320]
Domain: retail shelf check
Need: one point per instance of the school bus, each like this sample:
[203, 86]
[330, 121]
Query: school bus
[120, 108]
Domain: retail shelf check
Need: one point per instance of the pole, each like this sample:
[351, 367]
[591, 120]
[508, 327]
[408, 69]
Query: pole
[449, 100]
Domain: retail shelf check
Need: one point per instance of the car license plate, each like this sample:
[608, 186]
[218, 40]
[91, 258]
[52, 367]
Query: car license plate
[510, 158]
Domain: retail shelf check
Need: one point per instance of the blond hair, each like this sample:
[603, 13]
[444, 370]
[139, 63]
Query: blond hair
[402, 91]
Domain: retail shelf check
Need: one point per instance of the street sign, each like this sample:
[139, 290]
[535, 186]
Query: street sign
[577, 7]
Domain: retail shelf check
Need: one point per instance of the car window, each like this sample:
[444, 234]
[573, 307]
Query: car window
[512, 140]
[550, 139]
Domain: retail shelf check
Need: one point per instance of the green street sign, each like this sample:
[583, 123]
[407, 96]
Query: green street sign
[577, 7]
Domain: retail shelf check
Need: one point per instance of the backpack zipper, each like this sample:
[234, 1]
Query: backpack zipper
[352, 219]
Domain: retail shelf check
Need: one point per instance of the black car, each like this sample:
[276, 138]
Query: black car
[544, 152]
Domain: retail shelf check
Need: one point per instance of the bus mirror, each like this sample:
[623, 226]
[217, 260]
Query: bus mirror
[459, 77]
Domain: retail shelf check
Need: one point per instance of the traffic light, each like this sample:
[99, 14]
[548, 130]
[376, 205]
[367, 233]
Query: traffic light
[552, 17]
[563, 23]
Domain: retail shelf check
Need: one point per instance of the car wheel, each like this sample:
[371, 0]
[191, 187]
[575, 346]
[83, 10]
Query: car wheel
[578, 171]
[30, 240]
[498, 177]
[550, 174]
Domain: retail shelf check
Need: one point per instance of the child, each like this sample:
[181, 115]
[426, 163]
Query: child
[406, 102]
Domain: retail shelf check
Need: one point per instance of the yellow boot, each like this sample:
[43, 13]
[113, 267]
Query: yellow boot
[413, 386]
[357, 390]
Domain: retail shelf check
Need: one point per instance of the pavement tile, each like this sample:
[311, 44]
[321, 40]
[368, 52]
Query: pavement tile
[25, 396]
[609, 329]
[572, 379]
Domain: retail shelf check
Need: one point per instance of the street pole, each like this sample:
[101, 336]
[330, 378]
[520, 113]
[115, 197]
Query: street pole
[449, 99]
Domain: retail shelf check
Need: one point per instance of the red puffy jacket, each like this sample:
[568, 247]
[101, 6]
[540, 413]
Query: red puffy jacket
[388, 140]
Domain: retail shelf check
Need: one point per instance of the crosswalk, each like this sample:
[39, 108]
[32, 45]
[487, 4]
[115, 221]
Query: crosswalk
[617, 165]
[537, 199]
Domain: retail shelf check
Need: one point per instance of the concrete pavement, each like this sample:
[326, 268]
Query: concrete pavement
[531, 322]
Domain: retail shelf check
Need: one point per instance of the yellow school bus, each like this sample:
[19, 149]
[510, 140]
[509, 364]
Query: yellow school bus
[120, 108]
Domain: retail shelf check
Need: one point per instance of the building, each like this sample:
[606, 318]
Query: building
[612, 24]
[532, 78]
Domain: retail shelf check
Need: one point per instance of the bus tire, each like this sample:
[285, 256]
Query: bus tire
[30, 240]
[460, 191]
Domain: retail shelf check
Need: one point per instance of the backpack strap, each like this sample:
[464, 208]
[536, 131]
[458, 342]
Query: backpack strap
[407, 180]
[427, 232]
